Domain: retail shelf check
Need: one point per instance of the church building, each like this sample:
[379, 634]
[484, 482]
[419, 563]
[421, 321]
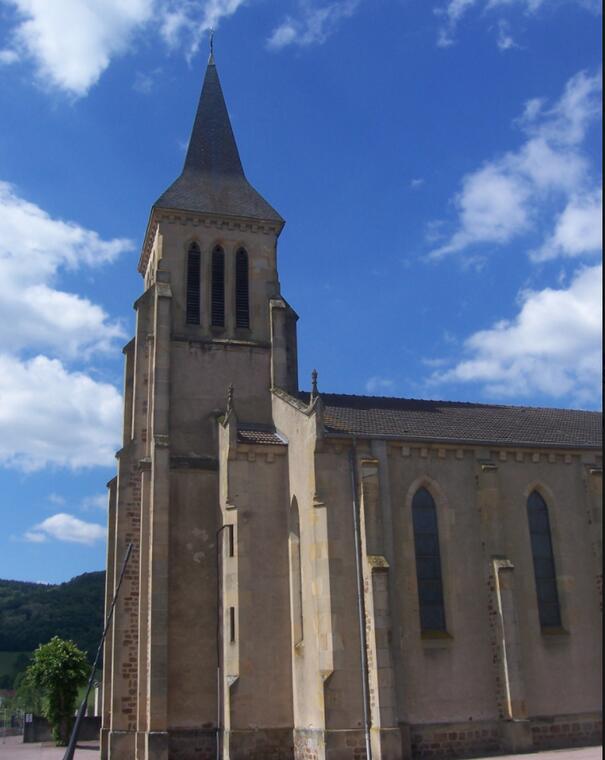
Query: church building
[329, 577]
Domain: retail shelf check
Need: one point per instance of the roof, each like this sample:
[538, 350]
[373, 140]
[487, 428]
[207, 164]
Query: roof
[213, 180]
[258, 434]
[458, 422]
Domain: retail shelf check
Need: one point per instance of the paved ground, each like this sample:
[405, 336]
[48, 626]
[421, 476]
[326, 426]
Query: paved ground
[585, 753]
[12, 748]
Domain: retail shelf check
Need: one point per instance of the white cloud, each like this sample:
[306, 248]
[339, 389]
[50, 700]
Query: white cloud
[51, 416]
[64, 527]
[452, 13]
[184, 23]
[8, 56]
[98, 501]
[377, 383]
[578, 230]
[552, 347]
[503, 198]
[34, 247]
[505, 39]
[315, 23]
[72, 42]
[56, 499]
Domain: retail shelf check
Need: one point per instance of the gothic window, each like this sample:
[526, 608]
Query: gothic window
[544, 562]
[242, 296]
[231, 624]
[218, 288]
[428, 562]
[193, 285]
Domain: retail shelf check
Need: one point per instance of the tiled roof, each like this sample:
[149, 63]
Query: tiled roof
[213, 180]
[451, 421]
[259, 435]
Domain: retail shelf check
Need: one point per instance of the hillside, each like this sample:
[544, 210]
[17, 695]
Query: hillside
[31, 613]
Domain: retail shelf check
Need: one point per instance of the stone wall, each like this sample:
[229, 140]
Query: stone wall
[567, 731]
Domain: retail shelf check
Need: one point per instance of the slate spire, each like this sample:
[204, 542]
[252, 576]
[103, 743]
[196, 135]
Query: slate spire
[213, 179]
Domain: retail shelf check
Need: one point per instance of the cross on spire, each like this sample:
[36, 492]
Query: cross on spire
[211, 33]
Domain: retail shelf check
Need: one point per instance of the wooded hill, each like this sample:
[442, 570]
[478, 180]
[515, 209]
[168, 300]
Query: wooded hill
[32, 613]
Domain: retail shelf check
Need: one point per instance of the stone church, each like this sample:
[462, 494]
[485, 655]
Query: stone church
[320, 576]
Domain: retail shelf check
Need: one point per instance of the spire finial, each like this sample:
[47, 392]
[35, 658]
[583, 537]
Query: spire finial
[230, 392]
[314, 391]
[211, 33]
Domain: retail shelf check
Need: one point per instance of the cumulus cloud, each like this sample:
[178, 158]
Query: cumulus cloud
[503, 198]
[314, 24]
[578, 229]
[551, 347]
[64, 527]
[34, 248]
[452, 12]
[52, 416]
[72, 42]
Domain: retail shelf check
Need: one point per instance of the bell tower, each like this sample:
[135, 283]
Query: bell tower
[211, 316]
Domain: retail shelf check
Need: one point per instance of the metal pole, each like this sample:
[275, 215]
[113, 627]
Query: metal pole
[73, 740]
[218, 643]
[361, 613]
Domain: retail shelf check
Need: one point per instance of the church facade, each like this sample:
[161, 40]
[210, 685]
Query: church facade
[319, 576]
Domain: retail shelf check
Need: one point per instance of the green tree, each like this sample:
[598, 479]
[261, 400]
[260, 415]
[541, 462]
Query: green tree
[58, 669]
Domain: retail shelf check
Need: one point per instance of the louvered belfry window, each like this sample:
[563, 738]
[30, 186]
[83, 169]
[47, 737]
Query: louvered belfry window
[218, 288]
[242, 292]
[544, 561]
[193, 285]
[428, 562]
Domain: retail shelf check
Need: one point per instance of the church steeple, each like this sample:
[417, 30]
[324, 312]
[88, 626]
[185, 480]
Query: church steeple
[213, 179]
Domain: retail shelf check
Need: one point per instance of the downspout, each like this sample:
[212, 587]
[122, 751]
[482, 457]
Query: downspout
[361, 612]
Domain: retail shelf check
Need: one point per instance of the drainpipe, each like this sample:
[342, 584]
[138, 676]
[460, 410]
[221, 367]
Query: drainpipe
[218, 641]
[361, 612]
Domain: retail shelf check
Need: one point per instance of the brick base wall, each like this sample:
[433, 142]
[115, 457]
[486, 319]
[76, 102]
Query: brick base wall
[455, 740]
[567, 731]
[345, 745]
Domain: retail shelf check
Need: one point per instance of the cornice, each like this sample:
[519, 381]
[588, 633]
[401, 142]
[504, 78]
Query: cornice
[195, 219]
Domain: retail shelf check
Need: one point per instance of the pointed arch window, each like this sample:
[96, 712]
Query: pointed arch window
[544, 561]
[194, 257]
[428, 562]
[218, 288]
[242, 290]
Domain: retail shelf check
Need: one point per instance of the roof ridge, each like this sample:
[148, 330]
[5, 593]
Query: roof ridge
[477, 404]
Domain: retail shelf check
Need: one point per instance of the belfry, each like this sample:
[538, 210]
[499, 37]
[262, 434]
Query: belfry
[321, 576]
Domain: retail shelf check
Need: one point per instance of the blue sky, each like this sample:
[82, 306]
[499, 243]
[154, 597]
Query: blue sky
[437, 162]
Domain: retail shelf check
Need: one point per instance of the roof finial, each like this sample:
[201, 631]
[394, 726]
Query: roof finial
[211, 33]
[314, 391]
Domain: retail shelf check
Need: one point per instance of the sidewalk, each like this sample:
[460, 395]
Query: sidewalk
[12, 747]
